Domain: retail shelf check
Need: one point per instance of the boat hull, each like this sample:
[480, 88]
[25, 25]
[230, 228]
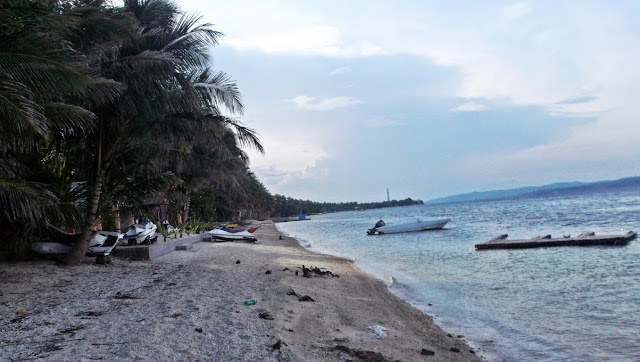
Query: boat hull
[101, 244]
[224, 235]
[410, 227]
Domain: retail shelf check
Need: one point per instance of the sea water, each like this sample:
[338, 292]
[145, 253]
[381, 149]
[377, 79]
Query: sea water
[555, 304]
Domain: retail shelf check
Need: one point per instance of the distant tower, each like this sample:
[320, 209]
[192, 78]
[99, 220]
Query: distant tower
[388, 199]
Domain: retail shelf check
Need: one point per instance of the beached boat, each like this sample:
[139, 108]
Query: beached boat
[101, 243]
[139, 233]
[235, 230]
[382, 228]
[217, 234]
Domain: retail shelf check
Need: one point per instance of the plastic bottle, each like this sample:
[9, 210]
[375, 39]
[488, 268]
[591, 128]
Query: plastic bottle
[249, 302]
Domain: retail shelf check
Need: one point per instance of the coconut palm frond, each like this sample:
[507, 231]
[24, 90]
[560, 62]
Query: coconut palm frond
[21, 114]
[247, 136]
[25, 200]
[69, 118]
[219, 89]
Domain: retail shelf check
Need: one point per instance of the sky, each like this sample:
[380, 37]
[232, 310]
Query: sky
[432, 98]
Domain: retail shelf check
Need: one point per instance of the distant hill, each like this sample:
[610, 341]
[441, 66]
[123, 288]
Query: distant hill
[538, 191]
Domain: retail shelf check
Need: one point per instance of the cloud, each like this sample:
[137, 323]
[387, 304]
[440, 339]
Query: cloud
[515, 11]
[382, 122]
[318, 40]
[341, 70]
[311, 104]
[578, 99]
[470, 107]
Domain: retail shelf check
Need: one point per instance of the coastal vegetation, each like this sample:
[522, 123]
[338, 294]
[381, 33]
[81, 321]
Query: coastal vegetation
[110, 111]
[287, 206]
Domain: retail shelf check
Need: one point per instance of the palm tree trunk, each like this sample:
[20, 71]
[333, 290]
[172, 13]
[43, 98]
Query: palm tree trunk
[187, 205]
[74, 258]
[76, 255]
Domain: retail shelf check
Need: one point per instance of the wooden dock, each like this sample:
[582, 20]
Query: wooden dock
[586, 239]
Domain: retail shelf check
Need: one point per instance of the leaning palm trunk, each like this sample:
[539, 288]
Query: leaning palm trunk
[187, 206]
[80, 248]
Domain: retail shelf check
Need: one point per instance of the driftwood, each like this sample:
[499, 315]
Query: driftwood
[301, 298]
[315, 271]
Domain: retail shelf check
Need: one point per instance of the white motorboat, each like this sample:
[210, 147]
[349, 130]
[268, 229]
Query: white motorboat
[382, 228]
[141, 233]
[101, 243]
[227, 236]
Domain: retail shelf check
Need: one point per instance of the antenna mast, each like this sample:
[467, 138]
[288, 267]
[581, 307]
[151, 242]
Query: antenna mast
[388, 199]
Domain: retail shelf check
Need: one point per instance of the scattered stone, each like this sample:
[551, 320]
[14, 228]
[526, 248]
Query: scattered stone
[285, 269]
[460, 336]
[237, 261]
[430, 305]
[268, 272]
[103, 260]
[296, 272]
[120, 295]
[361, 355]
[89, 314]
[427, 352]
[449, 335]
[280, 238]
[265, 315]
[472, 351]
[278, 344]
[175, 315]
[454, 349]
[199, 330]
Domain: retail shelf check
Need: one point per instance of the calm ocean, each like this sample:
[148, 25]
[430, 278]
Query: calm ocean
[555, 304]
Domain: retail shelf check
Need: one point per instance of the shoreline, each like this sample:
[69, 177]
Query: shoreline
[189, 305]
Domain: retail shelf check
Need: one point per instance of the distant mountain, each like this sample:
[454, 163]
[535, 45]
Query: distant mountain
[538, 191]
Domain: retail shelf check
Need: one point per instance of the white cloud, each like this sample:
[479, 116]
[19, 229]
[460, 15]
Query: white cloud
[311, 104]
[319, 40]
[515, 11]
[470, 107]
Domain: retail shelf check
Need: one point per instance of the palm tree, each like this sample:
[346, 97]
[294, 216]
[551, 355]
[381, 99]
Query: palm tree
[165, 68]
[41, 79]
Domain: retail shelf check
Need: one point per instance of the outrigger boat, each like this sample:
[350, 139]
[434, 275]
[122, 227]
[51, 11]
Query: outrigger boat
[101, 243]
[217, 234]
[382, 228]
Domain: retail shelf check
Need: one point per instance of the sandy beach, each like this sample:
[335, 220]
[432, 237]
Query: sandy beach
[189, 305]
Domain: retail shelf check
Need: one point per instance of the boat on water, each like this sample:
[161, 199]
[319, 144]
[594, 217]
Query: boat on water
[101, 243]
[382, 228]
[218, 234]
[140, 233]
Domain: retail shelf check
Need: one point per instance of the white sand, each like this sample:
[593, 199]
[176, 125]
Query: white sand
[188, 305]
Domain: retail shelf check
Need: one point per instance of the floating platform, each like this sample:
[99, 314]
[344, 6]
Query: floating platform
[586, 239]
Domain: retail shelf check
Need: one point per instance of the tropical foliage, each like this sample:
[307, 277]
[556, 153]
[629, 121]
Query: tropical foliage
[104, 108]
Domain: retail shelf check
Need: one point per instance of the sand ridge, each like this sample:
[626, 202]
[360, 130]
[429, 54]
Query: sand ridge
[189, 305]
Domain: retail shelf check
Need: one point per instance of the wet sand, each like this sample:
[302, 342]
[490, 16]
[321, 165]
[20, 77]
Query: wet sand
[189, 305]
